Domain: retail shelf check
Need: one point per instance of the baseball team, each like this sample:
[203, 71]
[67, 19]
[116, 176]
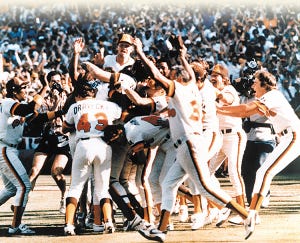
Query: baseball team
[137, 131]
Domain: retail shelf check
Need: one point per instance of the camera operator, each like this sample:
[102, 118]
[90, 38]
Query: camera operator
[260, 135]
[54, 145]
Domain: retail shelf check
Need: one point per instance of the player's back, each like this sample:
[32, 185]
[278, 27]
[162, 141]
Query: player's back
[91, 116]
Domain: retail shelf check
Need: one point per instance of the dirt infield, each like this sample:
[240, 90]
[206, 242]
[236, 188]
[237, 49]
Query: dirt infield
[280, 221]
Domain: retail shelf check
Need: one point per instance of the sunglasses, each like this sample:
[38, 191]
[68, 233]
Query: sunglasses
[124, 45]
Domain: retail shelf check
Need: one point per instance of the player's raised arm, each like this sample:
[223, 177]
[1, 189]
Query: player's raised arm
[98, 73]
[154, 70]
[78, 46]
[136, 98]
[186, 65]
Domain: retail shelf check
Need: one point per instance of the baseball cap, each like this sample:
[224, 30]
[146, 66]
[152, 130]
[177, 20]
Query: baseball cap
[15, 85]
[221, 70]
[126, 38]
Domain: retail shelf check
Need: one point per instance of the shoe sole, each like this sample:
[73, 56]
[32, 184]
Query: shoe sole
[219, 224]
[19, 233]
[198, 227]
[156, 238]
[110, 230]
[235, 223]
[247, 236]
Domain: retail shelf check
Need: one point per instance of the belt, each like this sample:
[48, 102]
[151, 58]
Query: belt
[167, 137]
[87, 138]
[225, 131]
[182, 139]
[9, 144]
[284, 132]
[177, 143]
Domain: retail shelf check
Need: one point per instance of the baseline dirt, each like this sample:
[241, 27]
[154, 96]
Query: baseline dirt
[280, 221]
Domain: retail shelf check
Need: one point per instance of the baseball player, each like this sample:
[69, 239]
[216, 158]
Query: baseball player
[145, 132]
[234, 137]
[90, 117]
[118, 61]
[210, 131]
[271, 103]
[106, 90]
[185, 114]
[14, 176]
[120, 147]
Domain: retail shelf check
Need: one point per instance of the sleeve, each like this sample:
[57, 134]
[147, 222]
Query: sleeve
[69, 118]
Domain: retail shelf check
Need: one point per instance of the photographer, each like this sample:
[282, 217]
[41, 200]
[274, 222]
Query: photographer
[54, 146]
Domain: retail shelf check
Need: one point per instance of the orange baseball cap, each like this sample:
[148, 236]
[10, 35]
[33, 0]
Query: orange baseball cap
[126, 38]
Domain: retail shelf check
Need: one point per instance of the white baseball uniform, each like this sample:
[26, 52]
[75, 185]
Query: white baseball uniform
[110, 61]
[210, 124]
[14, 175]
[90, 117]
[143, 129]
[185, 115]
[287, 125]
[234, 143]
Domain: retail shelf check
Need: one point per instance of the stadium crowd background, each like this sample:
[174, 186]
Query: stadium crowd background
[35, 39]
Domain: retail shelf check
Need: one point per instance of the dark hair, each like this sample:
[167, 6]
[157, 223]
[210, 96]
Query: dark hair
[85, 89]
[51, 74]
[164, 59]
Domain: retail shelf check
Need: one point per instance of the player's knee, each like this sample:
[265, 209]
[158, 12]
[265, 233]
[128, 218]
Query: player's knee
[57, 172]
[105, 200]
[71, 200]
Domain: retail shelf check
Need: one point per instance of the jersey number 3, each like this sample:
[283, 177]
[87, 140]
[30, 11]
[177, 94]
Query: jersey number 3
[85, 125]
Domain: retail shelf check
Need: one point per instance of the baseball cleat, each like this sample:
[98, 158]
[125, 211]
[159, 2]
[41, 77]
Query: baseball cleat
[98, 228]
[237, 220]
[223, 216]
[183, 213]
[69, 229]
[89, 220]
[266, 201]
[132, 224]
[212, 216]
[170, 227]
[22, 229]
[62, 207]
[153, 234]
[197, 221]
[109, 227]
[80, 220]
[250, 223]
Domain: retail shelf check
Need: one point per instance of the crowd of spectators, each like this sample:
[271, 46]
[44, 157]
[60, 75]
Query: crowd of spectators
[39, 39]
